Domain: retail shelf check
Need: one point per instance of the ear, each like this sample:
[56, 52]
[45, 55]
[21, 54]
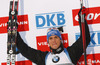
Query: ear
[61, 41]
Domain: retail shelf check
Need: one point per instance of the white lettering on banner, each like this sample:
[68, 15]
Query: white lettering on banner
[95, 61]
[3, 24]
[90, 16]
[98, 61]
[64, 41]
[89, 62]
[19, 23]
[96, 16]
[22, 22]
[76, 17]
[43, 43]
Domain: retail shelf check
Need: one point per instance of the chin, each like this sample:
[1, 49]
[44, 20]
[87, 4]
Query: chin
[55, 48]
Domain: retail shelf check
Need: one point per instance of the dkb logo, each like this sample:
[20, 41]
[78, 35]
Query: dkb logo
[46, 20]
[95, 38]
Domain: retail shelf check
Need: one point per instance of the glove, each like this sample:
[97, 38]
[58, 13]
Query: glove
[83, 10]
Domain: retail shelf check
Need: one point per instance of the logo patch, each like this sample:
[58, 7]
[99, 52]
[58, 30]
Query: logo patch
[55, 59]
[92, 17]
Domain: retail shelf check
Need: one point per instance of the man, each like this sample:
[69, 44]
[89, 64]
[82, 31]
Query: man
[58, 55]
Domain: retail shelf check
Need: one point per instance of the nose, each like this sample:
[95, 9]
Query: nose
[53, 40]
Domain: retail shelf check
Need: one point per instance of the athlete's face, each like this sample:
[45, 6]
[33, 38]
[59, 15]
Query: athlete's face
[54, 41]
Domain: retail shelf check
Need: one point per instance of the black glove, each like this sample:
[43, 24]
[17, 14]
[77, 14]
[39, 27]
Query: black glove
[83, 11]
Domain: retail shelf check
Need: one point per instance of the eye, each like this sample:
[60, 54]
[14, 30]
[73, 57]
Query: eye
[50, 38]
[56, 36]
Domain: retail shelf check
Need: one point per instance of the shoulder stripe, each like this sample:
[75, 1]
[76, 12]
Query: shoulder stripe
[46, 57]
[65, 50]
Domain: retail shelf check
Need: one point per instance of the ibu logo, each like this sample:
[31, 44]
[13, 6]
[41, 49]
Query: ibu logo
[95, 38]
[47, 20]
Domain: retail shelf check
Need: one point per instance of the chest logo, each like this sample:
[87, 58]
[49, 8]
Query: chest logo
[55, 59]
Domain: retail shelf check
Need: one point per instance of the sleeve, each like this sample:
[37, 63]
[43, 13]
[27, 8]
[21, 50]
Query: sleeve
[76, 50]
[34, 55]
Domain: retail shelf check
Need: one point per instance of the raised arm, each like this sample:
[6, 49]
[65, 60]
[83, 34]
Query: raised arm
[34, 55]
[76, 50]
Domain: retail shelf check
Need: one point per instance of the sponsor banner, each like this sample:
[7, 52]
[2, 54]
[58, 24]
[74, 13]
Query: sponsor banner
[92, 59]
[20, 63]
[52, 19]
[23, 23]
[92, 16]
[95, 38]
[43, 45]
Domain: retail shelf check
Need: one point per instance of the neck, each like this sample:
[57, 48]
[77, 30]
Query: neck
[58, 50]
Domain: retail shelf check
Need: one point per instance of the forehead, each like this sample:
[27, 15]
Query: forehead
[53, 36]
